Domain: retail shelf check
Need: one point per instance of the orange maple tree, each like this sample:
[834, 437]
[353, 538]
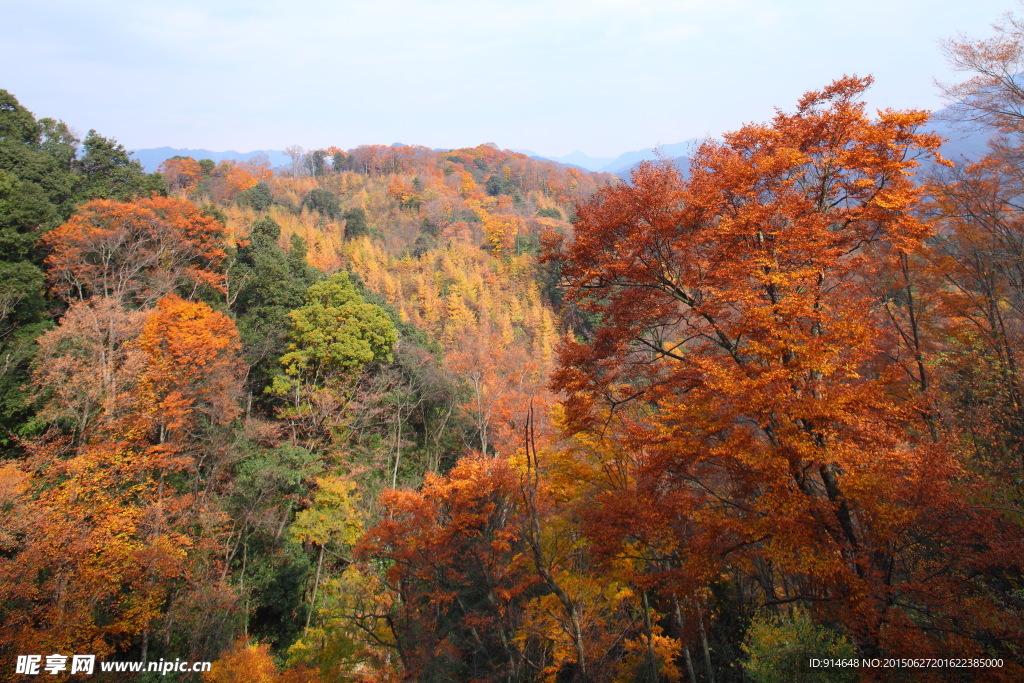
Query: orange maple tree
[454, 551]
[192, 370]
[116, 528]
[739, 355]
[181, 173]
[135, 251]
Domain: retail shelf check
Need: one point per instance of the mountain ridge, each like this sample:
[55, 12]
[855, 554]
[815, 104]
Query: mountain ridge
[961, 146]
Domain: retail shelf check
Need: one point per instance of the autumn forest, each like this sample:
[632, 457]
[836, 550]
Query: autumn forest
[396, 413]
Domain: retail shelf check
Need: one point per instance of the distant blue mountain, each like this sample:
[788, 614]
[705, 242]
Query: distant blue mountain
[152, 158]
[584, 161]
[575, 160]
[624, 163]
[962, 144]
[581, 160]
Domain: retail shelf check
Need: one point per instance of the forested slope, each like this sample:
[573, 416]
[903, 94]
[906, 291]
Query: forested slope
[399, 413]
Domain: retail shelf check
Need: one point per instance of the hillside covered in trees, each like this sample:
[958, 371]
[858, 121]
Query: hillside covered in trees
[398, 413]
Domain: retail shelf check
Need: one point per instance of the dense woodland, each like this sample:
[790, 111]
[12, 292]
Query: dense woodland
[398, 413]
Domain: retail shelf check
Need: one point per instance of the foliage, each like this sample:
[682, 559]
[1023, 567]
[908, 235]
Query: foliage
[269, 484]
[248, 662]
[333, 518]
[135, 251]
[257, 197]
[73, 581]
[115, 511]
[25, 212]
[742, 358]
[85, 368]
[334, 335]
[355, 223]
[316, 162]
[108, 172]
[191, 374]
[336, 332]
[780, 649]
[453, 555]
[264, 284]
[787, 381]
[323, 202]
[42, 178]
[181, 173]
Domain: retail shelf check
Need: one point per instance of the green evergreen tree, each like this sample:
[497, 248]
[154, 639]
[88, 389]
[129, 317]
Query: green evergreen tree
[355, 223]
[37, 191]
[323, 202]
[109, 172]
[257, 197]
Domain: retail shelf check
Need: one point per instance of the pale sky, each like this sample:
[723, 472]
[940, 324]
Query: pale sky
[552, 76]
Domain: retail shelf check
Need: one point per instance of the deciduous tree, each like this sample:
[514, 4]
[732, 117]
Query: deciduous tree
[334, 335]
[181, 173]
[739, 354]
[119, 528]
[192, 374]
[455, 558]
[86, 370]
[135, 251]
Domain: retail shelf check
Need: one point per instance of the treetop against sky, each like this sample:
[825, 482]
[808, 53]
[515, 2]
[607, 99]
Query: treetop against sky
[601, 76]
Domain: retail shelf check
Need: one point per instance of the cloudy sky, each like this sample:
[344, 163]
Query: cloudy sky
[552, 76]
